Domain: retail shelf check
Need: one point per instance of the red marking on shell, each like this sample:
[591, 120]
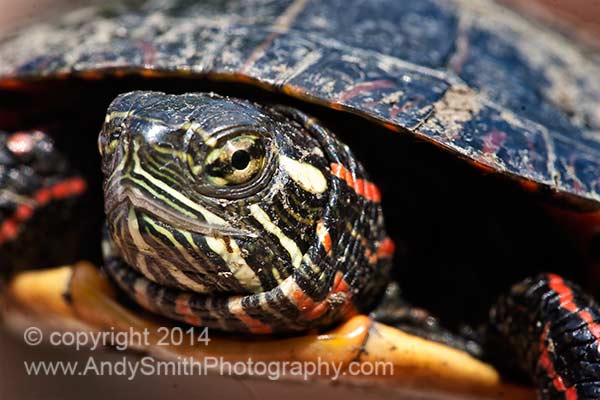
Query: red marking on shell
[323, 235]
[492, 141]
[364, 87]
[364, 188]
[70, 187]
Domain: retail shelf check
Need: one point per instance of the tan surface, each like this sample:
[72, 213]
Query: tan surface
[419, 366]
[577, 17]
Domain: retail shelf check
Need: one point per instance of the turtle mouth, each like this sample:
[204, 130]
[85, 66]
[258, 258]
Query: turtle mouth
[132, 197]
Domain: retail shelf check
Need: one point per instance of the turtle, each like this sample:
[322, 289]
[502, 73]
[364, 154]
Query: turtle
[273, 169]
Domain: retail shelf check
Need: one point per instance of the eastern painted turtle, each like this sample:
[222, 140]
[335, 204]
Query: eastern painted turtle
[232, 202]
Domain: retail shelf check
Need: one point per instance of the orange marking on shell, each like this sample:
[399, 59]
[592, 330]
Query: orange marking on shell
[364, 188]
[93, 75]
[323, 235]
[11, 83]
[151, 73]
[391, 127]
[529, 186]
[293, 90]
[484, 167]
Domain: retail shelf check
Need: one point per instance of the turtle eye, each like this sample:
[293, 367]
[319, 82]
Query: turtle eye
[235, 161]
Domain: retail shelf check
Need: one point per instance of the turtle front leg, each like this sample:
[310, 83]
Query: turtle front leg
[554, 330]
[38, 199]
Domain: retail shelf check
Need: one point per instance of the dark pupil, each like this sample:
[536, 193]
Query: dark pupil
[240, 159]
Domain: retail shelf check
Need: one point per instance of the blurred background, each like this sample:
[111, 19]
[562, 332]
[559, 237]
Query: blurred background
[577, 18]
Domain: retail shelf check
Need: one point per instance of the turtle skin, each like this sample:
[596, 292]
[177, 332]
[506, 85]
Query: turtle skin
[508, 97]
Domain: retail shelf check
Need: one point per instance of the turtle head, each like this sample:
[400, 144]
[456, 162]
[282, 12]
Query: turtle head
[208, 182]
[215, 195]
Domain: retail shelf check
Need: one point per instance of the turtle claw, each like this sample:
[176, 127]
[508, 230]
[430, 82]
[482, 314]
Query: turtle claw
[396, 312]
[81, 298]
